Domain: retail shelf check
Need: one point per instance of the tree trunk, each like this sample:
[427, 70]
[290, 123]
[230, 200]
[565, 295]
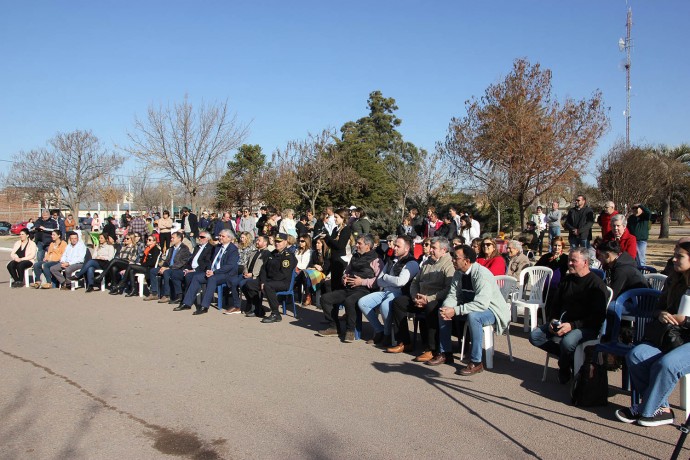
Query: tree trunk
[666, 218]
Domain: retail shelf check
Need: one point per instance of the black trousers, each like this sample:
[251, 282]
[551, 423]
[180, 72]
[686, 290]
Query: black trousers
[131, 274]
[164, 241]
[403, 305]
[252, 292]
[348, 297]
[16, 269]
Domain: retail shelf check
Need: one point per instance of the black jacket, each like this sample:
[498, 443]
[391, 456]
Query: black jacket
[624, 275]
[193, 223]
[582, 300]
[205, 258]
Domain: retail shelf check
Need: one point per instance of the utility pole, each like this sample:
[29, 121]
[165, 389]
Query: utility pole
[625, 44]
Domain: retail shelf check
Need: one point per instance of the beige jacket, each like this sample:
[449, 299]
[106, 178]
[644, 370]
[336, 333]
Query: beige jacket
[434, 279]
[29, 253]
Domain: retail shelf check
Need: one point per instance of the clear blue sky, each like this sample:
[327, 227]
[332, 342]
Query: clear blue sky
[290, 68]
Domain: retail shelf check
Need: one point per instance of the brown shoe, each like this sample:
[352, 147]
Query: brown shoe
[66, 287]
[399, 348]
[46, 286]
[150, 297]
[330, 332]
[232, 311]
[35, 285]
[472, 368]
[440, 358]
[424, 357]
[164, 299]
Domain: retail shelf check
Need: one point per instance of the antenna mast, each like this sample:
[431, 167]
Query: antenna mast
[626, 45]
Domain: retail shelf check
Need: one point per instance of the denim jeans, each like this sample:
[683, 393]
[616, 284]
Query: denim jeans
[654, 374]
[368, 305]
[87, 271]
[43, 267]
[563, 346]
[553, 233]
[641, 252]
[577, 242]
[476, 320]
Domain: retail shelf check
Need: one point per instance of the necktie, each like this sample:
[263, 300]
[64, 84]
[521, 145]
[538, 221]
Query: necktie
[216, 263]
[172, 259]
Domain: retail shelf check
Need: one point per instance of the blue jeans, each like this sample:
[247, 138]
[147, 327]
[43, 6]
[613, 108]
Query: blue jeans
[575, 241]
[641, 252]
[368, 305]
[553, 233]
[43, 267]
[563, 346]
[476, 320]
[654, 374]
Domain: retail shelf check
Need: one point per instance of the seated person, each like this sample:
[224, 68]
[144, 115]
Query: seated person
[653, 373]
[199, 262]
[490, 258]
[103, 255]
[475, 296]
[316, 272]
[275, 276]
[22, 257]
[223, 270]
[252, 270]
[427, 291]
[177, 257]
[518, 261]
[358, 280]
[127, 254]
[557, 261]
[528, 237]
[622, 269]
[71, 261]
[146, 263]
[581, 299]
[391, 281]
[619, 233]
[52, 257]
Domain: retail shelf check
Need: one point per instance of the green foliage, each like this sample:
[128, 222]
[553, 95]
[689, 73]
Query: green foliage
[244, 183]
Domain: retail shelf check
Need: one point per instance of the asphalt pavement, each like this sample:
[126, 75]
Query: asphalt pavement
[94, 376]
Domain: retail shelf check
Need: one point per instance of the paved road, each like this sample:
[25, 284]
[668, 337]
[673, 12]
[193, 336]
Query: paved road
[91, 376]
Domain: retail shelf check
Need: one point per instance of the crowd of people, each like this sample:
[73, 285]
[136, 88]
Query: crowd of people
[436, 268]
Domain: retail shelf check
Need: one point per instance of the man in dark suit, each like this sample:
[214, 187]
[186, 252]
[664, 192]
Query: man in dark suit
[199, 262]
[190, 225]
[257, 259]
[223, 270]
[177, 257]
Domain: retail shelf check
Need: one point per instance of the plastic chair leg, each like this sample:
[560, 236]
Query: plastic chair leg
[28, 274]
[684, 395]
[546, 368]
[141, 279]
[510, 346]
[219, 291]
[488, 346]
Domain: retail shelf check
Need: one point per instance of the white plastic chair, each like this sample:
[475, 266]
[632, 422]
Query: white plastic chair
[685, 395]
[141, 277]
[74, 284]
[507, 285]
[655, 280]
[533, 290]
[579, 356]
[28, 276]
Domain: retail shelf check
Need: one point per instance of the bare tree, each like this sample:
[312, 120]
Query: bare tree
[535, 142]
[403, 163]
[434, 180]
[69, 169]
[317, 166]
[185, 143]
[628, 175]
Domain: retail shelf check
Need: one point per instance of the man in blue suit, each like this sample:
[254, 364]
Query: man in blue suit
[223, 270]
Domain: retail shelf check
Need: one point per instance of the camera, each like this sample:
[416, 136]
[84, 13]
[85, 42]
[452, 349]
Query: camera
[555, 324]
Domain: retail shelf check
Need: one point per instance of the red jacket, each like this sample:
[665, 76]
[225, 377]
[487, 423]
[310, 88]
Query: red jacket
[628, 242]
[605, 221]
[496, 265]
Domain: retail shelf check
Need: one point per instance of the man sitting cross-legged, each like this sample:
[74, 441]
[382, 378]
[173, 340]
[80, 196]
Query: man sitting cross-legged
[177, 257]
[359, 278]
[199, 262]
[475, 296]
[427, 292]
[392, 281]
[223, 270]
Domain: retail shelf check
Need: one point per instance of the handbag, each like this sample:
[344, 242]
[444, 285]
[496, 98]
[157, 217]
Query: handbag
[665, 336]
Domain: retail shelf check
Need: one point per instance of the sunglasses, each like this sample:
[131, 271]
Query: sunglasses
[302, 241]
[427, 244]
[150, 239]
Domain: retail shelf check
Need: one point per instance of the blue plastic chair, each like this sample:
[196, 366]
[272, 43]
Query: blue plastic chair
[220, 292]
[638, 304]
[645, 269]
[291, 294]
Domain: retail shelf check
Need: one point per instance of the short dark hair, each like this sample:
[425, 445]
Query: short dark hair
[467, 251]
[609, 246]
[69, 234]
[57, 232]
[180, 235]
[407, 240]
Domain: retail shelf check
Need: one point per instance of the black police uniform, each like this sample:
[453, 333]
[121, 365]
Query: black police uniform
[275, 275]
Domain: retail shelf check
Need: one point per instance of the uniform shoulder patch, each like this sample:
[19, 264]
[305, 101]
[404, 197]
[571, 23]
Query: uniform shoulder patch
[286, 263]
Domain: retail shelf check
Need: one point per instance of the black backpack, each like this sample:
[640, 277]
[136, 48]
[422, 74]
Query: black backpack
[590, 386]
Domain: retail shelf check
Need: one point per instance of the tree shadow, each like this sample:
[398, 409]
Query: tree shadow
[454, 390]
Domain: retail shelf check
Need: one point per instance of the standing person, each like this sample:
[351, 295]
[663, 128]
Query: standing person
[579, 223]
[638, 225]
[225, 223]
[653, 373]
[432, 224]
[361, 226]
[70, 223]
[44, 226]
[338, 241]
[205, 222]
[110, 231]
[165, 224]
[190, 225]
[95, 223]
[417, 221]
[553, 220]
[261, 221]
[620, 233]
[539, 219]
[23, 255]
[604, 219]
[247, 223]
[287, 222]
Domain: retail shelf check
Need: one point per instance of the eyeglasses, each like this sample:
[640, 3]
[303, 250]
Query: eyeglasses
[151, 239]
[302, 241]
[201, 237]
[454, 257]
[427, 244]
